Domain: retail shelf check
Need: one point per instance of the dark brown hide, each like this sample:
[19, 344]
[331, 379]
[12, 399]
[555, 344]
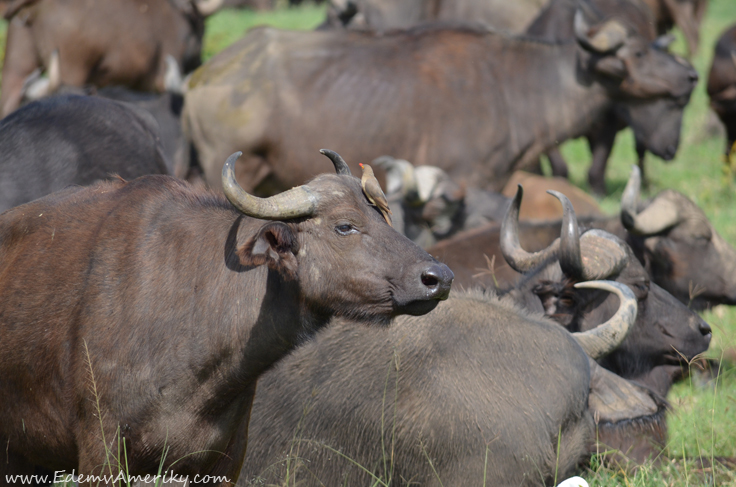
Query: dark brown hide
[105, 42]
[473, 102]
[175, 302]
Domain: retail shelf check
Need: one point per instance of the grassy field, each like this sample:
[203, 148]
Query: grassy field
[703, 419]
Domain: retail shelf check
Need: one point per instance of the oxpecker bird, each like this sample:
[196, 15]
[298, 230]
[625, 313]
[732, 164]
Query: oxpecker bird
[373, 192]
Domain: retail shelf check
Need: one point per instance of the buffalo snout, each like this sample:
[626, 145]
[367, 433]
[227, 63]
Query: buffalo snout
[438, 280]
[430, 286]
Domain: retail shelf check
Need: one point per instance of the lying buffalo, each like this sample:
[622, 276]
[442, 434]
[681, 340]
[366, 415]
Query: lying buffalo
[477, 392]
[670, 235]
[56, 142]
[666, 332]
[429, 206]
[482, 390]
[473, 102]
[105, 42]
[143, 313]
[722, 86]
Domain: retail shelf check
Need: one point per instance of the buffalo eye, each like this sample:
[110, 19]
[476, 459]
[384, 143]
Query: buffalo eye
[639, 54]
[345, 229]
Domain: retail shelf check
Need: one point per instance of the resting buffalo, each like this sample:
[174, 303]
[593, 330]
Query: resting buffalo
[722, 86]
[105, 42]
[144, 312]
[56, 142]
[670, 235]
[429, 206]
[473, 102]
[477, 392]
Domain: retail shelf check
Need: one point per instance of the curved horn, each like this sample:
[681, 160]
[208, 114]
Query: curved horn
[658, 216]
[208, 7]
[341, 167]
[295, 203]
[605, 338]
[519, 259]
[571, 261]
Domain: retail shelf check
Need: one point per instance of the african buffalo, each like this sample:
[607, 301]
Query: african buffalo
[656, 125]
[69, 139]
[666, 332]
[144, 312]
[477, 392]
[429, 206]
[105, 42]
[722, 86]
[473, 102]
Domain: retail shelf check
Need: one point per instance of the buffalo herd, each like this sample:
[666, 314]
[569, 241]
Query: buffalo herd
[180, 278]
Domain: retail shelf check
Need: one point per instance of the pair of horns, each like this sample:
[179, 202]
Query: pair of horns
[594, 256]
[660, 215]
[598, 257]
[295, 203]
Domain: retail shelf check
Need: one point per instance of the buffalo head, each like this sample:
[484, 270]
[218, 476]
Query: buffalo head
[679, 246]
[649, 85]
[665, 332]
[348, 261]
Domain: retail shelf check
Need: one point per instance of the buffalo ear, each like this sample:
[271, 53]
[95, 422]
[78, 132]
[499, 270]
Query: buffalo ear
[275, 245]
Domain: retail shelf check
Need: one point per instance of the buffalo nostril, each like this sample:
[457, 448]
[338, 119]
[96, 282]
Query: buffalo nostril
[705, 328]
[438, 280]
[430, 280]
[694, 76]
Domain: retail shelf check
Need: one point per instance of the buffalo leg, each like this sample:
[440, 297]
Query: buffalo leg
[558, 163]
[641, 153]
[20, 61]
[601, 142]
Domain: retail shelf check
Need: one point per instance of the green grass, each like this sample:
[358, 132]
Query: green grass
[703, 419]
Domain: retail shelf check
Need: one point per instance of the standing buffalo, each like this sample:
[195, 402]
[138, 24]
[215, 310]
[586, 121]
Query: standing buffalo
[473, 102]
[70, 139]
[722, 86]
[656, 125]
[105, 42]
[144, 312]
